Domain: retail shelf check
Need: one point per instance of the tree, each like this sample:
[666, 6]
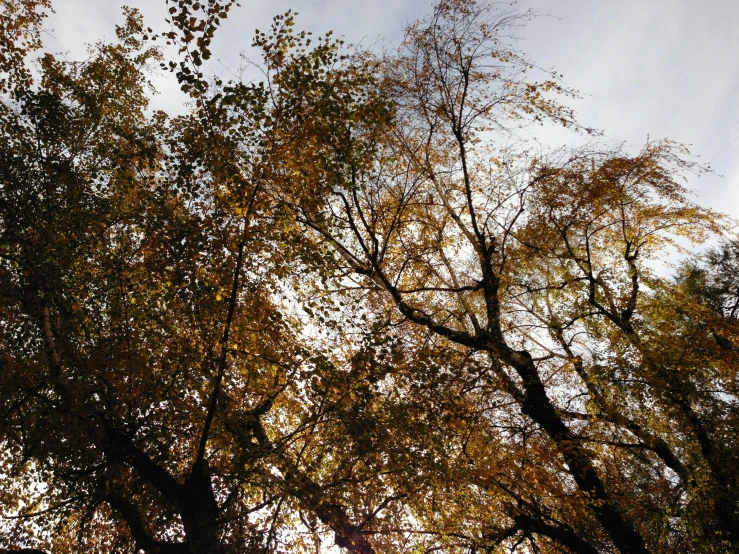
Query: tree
[156, 381]
[330, 303]
[539, 265]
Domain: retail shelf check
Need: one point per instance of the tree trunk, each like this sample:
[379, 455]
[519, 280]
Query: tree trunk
[537, 406]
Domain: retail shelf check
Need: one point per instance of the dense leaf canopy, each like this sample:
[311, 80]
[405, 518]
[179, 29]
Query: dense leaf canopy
[349, 306]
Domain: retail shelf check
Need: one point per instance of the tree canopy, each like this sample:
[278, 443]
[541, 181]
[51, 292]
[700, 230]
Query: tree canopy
[350, 305]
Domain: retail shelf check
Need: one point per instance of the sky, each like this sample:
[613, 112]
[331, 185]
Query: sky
[656, 68]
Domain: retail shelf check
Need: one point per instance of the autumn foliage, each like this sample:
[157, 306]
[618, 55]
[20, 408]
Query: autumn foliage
[349, 305]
